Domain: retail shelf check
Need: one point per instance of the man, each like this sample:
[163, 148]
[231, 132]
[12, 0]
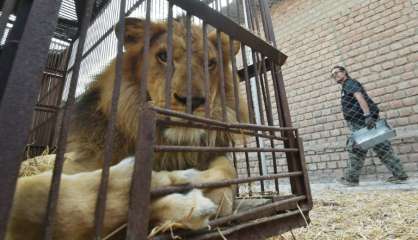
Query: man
[360, 111]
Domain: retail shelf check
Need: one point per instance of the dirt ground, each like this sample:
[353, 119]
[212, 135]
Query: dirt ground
[361, 214]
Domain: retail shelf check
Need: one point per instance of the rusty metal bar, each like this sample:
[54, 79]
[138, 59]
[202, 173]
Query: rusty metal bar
[250, 107]
[253, 213]
[264, 23]
[45, 108]
[257, 83]
[236, 94]
[260, 110]
[237, 103]
[260, 229]
[251, 71]
[189, 62]
[164, 148]
[293, 161]
[20, 97]
[61, 86]
[205, 126]
[59, 160]
[183, 188]
[234, 161]
[110, 129]
[10, 48]
[233, 29]
[234, 78]
[247, 166]
[252, 16]
[138, 214]
[276, 93]
[169, 66]
[206, 68]
[248, 85]
[305, 175]
[238, 7]
[265, 12]
[219, 123]
[256, 229]
[221, 72]
[247, 15]
[266, 94]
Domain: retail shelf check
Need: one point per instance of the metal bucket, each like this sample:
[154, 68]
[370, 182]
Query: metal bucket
[365, 138]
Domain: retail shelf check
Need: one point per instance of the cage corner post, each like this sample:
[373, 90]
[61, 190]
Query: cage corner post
[20, 96]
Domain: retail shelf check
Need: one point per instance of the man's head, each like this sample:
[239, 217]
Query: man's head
[340, 74]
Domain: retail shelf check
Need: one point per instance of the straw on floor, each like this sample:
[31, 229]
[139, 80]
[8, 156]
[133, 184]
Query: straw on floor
[384, 214]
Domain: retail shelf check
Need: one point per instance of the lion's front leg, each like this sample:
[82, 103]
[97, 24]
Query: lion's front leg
[77, 200]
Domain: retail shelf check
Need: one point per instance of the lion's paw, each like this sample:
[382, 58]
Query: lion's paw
[197, 210]
[191, 210]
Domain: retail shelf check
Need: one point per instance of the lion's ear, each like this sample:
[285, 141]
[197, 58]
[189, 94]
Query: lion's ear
[135, 30]
[212, 36]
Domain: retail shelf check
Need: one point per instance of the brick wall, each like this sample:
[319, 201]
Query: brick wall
[377, 41]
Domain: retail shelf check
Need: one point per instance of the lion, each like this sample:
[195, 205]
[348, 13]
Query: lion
[82, 172]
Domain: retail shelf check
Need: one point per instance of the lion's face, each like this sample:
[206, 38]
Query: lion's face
[157, 78]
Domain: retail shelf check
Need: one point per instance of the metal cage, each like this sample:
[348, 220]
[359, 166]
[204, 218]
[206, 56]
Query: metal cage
[75, 37]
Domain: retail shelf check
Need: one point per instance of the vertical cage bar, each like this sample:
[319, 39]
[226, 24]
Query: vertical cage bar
[269, 114]
[110, 130]
[238, 6]
[260, 156]
[59, 160]
[276, 94]
[234, 78]
[60, 88]
[236, 94]
[253, 15]
[293, 160]
[306, 185]
[169, 67]
[265, 12]
[138, 214]
[189, 62]
[206, 67]
[250, 107]
[221, 73]
[10, 49]
[263, 22]
[20, 97]
[249, 20]
[247, 85]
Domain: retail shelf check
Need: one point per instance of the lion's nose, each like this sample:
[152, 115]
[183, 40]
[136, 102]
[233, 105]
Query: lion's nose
[196, 101]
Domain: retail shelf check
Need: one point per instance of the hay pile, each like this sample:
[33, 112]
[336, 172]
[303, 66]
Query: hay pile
[42, 163]
[373, 215]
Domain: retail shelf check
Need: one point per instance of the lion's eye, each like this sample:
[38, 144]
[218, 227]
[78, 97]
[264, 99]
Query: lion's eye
[212, 64]
[162, 56]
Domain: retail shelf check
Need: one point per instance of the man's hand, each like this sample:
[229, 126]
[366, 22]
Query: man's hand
[370, 122]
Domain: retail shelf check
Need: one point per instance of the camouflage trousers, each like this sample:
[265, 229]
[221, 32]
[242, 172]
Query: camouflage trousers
[357, 156]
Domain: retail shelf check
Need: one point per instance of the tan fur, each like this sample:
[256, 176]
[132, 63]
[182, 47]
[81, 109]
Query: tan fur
[75, 213]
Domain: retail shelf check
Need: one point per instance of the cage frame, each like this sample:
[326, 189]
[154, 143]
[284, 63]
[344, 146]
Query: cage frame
[272, 60]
